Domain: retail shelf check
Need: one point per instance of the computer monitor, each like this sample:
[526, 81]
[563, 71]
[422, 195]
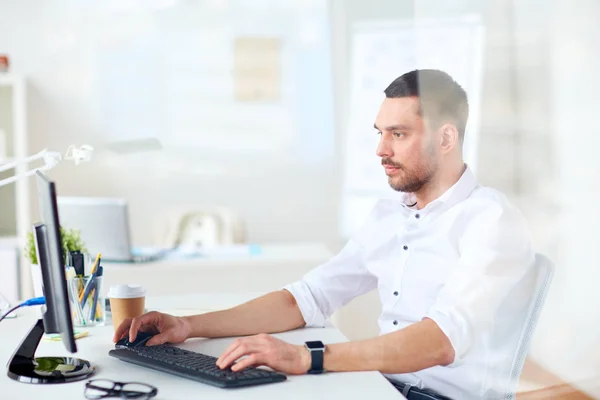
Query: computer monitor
[23, 365]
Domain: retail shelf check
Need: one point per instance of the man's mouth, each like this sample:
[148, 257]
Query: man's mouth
[390, 168]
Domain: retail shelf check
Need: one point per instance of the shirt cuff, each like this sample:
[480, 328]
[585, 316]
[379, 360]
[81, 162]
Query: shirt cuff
[456, 330]
[313, 317]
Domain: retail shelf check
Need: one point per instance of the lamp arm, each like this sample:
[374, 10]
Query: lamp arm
[51, 159]
[15, 178]
[27, 160]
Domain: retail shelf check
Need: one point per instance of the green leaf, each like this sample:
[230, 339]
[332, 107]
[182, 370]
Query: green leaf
[70, 238]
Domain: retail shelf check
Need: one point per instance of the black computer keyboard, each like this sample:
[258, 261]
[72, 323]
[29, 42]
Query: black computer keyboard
[195, 366]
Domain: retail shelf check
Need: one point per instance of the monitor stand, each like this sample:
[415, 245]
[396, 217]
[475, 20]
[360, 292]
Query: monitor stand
[24, 367]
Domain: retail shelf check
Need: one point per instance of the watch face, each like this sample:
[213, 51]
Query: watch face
[315, 345]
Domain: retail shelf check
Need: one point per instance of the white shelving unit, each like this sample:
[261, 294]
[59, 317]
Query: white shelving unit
[14, 198]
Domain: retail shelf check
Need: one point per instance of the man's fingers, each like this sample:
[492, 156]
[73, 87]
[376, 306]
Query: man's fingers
[243, 348]
[137, 322]
[228, 350]
[121, 329]
[258, 339]
[158, 339]
[249, 361]
[237, 350]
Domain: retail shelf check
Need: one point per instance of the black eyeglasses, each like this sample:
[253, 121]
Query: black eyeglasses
[105, 388]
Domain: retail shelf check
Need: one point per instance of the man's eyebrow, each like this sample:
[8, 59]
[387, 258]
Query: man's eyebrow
[399, 127]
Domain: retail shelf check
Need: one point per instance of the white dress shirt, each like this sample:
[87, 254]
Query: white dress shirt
[464, 261]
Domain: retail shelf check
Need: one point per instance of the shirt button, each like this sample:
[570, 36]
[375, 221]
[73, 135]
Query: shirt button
[405, 247]
[396, 293]
[395, 322]
[417, 216]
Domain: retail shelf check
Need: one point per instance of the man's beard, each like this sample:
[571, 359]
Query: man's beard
[413, 180]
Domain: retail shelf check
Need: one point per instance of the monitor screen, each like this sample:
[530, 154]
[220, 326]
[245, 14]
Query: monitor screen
[57, 317]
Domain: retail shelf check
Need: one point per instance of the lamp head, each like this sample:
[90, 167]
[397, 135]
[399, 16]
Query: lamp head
[83, 153]
[52, 158]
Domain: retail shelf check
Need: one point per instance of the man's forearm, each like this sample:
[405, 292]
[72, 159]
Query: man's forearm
[271, 313]
[416, 347]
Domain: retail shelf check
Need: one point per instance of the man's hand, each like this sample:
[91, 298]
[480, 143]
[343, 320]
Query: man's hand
[266, 350]
[168, 328]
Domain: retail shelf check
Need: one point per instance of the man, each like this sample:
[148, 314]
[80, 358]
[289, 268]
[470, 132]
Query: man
[452, 262]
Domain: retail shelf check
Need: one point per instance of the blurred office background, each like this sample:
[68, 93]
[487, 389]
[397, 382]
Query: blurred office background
[294, 156]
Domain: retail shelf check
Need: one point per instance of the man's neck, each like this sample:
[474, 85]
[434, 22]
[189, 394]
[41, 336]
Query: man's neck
[439, 184]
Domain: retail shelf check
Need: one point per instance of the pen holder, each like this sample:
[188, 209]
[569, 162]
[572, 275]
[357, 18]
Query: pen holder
[87, 302]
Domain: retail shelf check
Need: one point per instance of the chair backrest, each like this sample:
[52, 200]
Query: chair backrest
[545, 273]
[204, 228]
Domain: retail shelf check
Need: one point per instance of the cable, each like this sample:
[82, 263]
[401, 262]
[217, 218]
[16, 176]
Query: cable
[9, 311]
[36, 301]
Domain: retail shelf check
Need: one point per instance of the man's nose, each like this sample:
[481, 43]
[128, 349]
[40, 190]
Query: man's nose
[384, 148]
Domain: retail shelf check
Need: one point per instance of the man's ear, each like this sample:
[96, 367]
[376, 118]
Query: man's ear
[449, 138]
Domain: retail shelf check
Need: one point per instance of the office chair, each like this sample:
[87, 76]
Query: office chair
[545, 273]
[205, 229]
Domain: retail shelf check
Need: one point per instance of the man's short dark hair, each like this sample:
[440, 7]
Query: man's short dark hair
[441, 99]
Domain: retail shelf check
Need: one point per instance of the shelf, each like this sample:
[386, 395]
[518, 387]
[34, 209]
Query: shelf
[14, 197]
[8, 241]
[8, 79]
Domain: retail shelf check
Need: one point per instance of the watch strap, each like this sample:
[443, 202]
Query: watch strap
[316, 364]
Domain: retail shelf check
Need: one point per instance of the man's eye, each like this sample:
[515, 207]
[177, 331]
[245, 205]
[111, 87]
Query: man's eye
[398, 134]
[378, 132]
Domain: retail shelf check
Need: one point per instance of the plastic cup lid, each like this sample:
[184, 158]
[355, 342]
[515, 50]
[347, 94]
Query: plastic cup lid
[128, 291]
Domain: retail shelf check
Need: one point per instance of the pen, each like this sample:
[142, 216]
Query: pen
[86, 290]
[95, 297]
[77, 259]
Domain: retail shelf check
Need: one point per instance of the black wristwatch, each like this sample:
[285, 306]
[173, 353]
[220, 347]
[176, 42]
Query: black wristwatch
[316, 349]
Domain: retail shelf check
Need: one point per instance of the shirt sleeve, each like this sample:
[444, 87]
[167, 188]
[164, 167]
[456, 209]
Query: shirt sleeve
[333, 284]
[495, 255]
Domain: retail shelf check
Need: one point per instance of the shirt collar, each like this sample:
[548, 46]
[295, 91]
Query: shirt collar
[455, 194]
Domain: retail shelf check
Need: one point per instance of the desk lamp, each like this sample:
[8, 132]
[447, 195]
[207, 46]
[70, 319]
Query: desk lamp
[51, 159]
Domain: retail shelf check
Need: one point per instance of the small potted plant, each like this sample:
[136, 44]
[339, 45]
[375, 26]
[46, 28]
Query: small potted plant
[71, 243]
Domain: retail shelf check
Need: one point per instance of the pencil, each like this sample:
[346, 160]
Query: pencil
[98, 257]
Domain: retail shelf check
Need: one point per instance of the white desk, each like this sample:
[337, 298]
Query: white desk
[95, 347]
[275, 266]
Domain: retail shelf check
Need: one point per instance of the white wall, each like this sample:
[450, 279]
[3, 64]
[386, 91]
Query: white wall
[93, 79]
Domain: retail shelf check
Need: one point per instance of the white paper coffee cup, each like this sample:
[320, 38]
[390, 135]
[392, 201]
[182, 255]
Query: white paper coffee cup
[126, 301]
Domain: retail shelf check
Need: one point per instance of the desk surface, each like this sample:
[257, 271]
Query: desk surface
[95, 347]
[268, 252]
[275, 266]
